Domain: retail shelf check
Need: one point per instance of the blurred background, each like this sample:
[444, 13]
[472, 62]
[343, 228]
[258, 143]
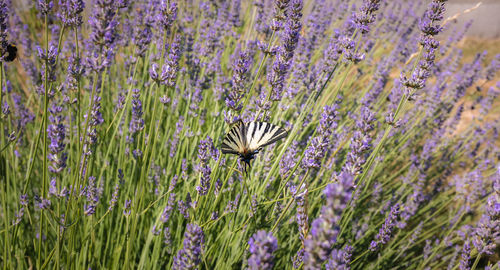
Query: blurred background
[486, 18]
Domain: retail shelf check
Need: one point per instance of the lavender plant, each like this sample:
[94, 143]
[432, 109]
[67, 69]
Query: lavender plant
[110, 136]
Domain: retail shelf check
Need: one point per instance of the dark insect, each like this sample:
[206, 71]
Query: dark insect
[246, 140]
[11, 53]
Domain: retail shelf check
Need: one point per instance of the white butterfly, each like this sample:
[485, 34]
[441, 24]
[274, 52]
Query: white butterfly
[246, 140]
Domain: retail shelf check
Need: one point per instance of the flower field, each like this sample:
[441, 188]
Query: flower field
[114, 116]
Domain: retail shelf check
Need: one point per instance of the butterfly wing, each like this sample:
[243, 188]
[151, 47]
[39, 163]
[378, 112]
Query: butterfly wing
[235, 140]
[260, 134]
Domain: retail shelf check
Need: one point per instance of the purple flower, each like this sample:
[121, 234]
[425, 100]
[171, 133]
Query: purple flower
[70, 12]
[289, 160]
[241, 68]
[167, 211]
[75, 71]
[349, 49]
[167, 237]
[4, 29]
[136, 124]
[315, 152]
[49, 61]
[366, 16]
[114, 197]
[486, 234]
[171, 66]
[493, 68]
[262, 14]
[23, 201]
[102, 39]
[301, 61]
[155, 231]
[487, 102]
[94, 121]
[429, 26]
[44, 6]
[385, 232]
[465, 257]
[92, 197]
[340, 259]
[318, 145]
[301, 217]
[319, 243]
[206, 151]
[232, 206]
[142, 33]
[127, 207]
[44, 203]
[56, 133]
[429, 23]
[153, 73]
[262, 246]
[280, 7]
[360, 142]
[331, 55]
[167, 14]
[298, 258]
[234, 15]
[183, 207]
[176, 136]
[289, 41]
[324, 229]
[190, 255]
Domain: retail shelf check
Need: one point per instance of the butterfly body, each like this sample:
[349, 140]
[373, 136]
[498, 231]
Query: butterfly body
[246, 140]
[247, 156]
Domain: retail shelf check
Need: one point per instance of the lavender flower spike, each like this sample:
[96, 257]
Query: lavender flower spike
[365, 16]
[384, 234]
[206, 150]
[241, 68]
[4, 28]
[71, 11]
[486, 235]
[262, 245]
[167, 15]
[190, 255]
[56, 133]
[289, 39]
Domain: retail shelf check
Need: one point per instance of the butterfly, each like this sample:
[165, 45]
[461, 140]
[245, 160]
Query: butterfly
[246, 140]
[12, 53]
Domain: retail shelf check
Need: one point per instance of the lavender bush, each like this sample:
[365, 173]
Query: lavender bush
[113, 114]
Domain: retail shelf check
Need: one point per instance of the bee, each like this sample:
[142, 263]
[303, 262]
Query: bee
[11, 53]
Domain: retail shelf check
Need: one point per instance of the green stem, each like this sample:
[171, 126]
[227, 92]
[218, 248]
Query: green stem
[476, 261]
[289, 202]
[45, 145]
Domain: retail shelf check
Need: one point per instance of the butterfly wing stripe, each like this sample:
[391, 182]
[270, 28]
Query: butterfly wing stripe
[233, 140]
[228, 150]
[252, 128]
[239, 135]
[230, 142]
[239, 140]
[266, 134]
[280, 134]
[263, 133]
[243, 134]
